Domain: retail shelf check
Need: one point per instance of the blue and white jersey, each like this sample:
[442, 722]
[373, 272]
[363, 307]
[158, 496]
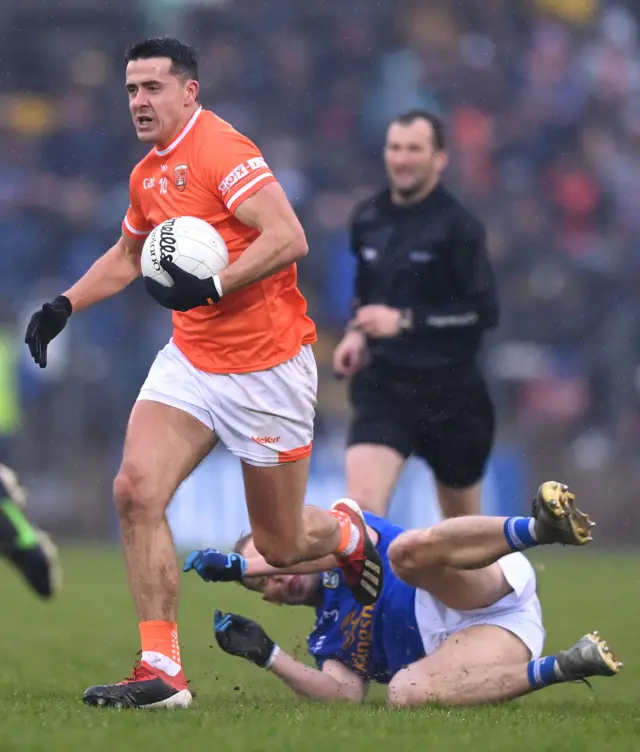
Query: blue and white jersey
[375, 641]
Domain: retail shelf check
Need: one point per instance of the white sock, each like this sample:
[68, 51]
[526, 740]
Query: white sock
[161, 662]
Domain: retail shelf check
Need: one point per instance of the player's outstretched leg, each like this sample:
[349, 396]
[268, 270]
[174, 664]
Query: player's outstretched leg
[452, 675]
[590, 656]
[27, 548]
[286, 531]
[476, 542]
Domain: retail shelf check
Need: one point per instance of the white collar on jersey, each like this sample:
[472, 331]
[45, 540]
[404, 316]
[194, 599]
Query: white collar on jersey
[181, 135]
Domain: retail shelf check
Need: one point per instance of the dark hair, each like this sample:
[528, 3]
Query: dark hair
[184, 59]
[437, 123]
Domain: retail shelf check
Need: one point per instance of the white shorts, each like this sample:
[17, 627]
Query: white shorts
[264, 417]
[518, 612]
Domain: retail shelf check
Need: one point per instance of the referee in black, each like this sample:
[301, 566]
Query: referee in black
[424, 295]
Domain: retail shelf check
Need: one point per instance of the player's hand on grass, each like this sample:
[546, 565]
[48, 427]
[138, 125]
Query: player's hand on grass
[46, 324]
[187, 291]
[244, 638]
[214, 566]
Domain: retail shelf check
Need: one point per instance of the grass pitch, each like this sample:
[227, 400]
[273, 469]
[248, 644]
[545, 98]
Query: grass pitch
[50, 652]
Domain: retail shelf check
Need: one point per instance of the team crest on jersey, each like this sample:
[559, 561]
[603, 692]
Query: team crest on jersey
[330, 580]
[180, 177]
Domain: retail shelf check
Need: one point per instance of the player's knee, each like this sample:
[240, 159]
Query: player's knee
[413, 550]
[134, 497]
[276, 552]
[405, 691]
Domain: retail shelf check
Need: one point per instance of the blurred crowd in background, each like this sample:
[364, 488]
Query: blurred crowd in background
[542, 104]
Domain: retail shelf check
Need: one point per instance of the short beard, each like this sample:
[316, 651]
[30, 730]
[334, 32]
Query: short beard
[410, 193]
[416, 192]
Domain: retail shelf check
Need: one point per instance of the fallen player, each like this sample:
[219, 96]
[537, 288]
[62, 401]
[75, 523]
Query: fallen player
[458, 621]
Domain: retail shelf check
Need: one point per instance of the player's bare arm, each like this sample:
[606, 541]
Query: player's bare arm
[109, 275]
[258, 567]
[244, 638]
[335, 682]
[281, 242]
[215, 566]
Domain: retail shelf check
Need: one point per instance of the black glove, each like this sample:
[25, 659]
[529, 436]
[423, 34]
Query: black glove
[244, 638]
[214, 566]
[187, 291]
[46, 324]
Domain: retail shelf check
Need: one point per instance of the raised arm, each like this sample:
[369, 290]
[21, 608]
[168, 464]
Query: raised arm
[214, 566]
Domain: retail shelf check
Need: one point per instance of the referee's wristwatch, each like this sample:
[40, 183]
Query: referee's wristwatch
[405, 322]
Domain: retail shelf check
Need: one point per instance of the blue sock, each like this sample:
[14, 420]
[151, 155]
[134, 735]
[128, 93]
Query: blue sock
[541, 673]
[520, 533]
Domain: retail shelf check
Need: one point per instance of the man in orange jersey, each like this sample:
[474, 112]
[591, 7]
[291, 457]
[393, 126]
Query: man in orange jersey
[239, 368]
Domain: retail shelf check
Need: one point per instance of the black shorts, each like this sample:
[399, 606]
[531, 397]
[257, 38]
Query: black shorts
[447, 418]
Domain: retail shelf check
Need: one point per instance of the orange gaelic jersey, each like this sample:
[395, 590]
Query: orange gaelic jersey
[207, 171]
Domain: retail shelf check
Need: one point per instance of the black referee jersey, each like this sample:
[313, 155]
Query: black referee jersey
[431, 258]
